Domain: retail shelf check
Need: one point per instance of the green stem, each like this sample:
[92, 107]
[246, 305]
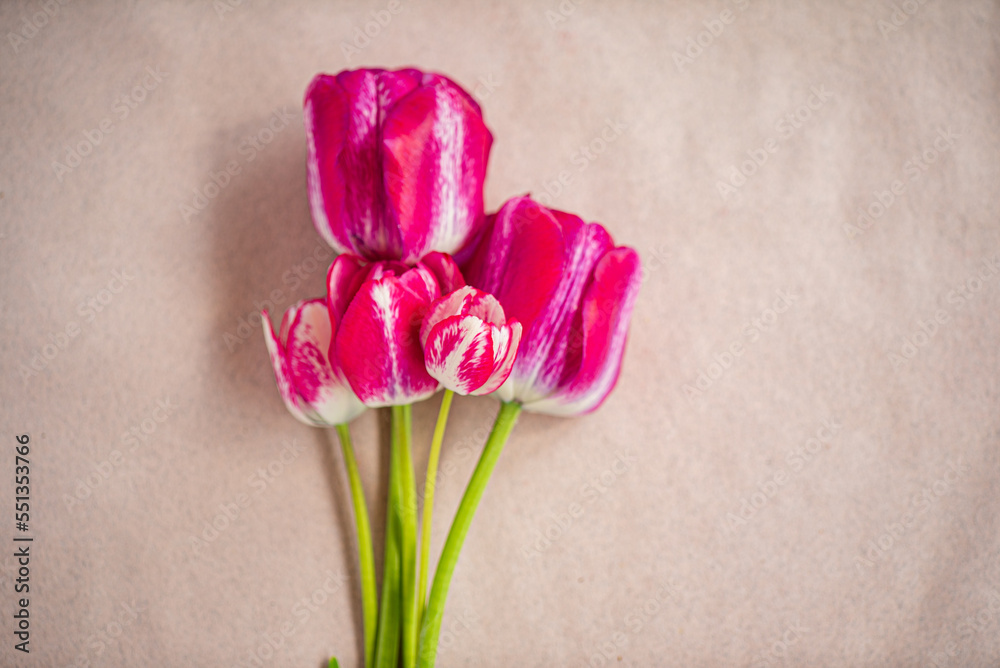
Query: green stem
[431, 626]
[429, 486]
[387, 638]
[408, 534]
[366, 555]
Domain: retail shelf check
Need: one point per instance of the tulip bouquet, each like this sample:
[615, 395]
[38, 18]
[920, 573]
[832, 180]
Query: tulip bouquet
[529, 304]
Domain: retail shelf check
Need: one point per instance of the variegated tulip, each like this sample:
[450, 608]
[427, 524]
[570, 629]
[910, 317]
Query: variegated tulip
[573, 292]
[377, 309]
[312, 385]
[469, 346]
[396, 163]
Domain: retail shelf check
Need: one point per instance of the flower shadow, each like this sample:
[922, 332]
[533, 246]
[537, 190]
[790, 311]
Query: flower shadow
[266, 254]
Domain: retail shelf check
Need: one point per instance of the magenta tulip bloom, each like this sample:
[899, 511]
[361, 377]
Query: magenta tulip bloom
[572, 290]
[377, 309]
[396, 163]
[468, 343]
[313, 387]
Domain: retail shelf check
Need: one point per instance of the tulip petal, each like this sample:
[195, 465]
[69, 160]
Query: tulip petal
[445, 269]
[343, 279]
[384, 268]
[314, 391]
[600, 332]
[445, 307]
[466, 300]
[345, 174]
[505, 344]
[321, 385]
[435, 147]
[422, 284]
[522, 263]
[541, 368]
[459, 353]
[282, 369]
[308, 339]
[394, 85]
[378, 343]
[484, 306]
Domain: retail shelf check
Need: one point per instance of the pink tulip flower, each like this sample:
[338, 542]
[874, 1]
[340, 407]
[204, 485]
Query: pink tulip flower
[396, 163]
[377, 309]
[469, 346]
[312, 385]
[572, 291]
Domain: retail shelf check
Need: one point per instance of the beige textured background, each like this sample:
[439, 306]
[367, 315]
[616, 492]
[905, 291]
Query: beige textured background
[655, 571]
